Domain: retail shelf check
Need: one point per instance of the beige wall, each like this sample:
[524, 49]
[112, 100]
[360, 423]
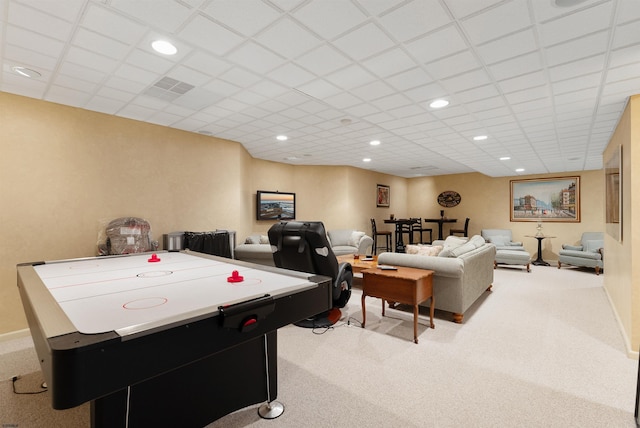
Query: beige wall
[64, 172]
[486, 201]
[622, 281]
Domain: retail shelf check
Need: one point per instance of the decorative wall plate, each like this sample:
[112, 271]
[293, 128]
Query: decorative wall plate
[449, 198]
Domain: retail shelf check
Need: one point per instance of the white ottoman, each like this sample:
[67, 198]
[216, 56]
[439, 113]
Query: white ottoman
[513, 257]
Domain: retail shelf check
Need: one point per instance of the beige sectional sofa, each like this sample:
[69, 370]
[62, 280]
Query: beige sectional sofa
[463, 270]
[256, 248]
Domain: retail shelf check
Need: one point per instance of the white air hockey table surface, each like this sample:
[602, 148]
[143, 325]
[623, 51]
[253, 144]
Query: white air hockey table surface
[132, 294]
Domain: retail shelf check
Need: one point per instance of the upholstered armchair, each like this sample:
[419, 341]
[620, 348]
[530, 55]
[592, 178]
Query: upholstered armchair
[589, 253]
[502, 239]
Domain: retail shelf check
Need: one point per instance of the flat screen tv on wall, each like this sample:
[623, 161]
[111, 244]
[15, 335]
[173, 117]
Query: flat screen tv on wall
[275, 205]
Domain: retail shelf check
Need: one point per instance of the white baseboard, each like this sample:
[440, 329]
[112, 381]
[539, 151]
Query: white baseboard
[12, 335]
[631, 353]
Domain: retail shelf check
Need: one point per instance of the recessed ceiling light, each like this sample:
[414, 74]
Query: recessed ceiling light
[520, 170]
[439, 104]
[282, 138]
[375, 142]
[505, 158]
[291, 158]
[366, 160]
[164, 47]
[480, 138]
[26, 72]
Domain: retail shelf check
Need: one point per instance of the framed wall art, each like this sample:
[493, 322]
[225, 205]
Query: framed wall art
[613, 194]
[546, 199]
[383, 195]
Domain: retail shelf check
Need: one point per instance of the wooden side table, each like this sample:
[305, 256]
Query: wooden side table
[404, 285]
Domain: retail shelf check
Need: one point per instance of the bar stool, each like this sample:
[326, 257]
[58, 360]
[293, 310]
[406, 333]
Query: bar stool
[464, 232]
[375, 234]
[416, 226]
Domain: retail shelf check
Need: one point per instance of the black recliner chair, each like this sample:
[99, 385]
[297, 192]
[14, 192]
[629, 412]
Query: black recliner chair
[303, 246]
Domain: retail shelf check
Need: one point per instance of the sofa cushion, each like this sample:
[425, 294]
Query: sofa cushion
[594, 245]
[354, 240]
[264, 239]
[499, 240]
[339, 237]
[450, 243]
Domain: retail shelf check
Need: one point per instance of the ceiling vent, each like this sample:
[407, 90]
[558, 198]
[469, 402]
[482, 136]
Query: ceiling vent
[168, 89]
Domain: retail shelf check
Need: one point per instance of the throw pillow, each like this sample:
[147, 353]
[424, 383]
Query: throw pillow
[354, 241]
[412, 249]
[477, 241]
[428, 250]
[465, 248]
[264, 239]
[253, 239]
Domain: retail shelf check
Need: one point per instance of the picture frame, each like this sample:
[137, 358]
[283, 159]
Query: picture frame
[546, 199]
[383, 195]
[613, 194]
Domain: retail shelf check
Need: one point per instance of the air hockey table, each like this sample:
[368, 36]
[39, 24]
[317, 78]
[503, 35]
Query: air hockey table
[181, 340]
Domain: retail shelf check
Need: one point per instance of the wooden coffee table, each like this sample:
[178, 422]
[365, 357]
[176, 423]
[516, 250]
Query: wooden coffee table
[404, 285]
[358, 265]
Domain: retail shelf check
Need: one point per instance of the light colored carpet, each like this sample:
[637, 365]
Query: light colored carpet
[541, 350]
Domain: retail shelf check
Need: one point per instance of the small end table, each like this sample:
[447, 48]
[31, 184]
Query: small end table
[404, 285]
[539, 261]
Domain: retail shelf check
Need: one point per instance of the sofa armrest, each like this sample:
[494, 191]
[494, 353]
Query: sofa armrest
[365, 245]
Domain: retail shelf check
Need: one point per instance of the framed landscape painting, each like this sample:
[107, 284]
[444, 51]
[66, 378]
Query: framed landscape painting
[546, 199]
[382, 195]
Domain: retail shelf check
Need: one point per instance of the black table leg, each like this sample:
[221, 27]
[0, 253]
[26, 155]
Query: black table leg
[399, 240]
[539, 261]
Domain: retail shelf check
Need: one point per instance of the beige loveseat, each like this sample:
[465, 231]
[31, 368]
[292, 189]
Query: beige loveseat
[256, 248]
[463, 270]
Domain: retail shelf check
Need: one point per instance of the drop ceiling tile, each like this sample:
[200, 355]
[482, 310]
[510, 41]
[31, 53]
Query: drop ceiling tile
[255, 57]
[414, 78]
[329, 19]
[18, 56]
[503, 19]
[350, 77]
[200, 31]
[414, 19]
[441, 43]
[373, 90]
[291, 75]
[379, 7]
[576, 25]
[165, 14]
[586, 46]
[363, 42]
[90, 59]
[104, 105]
[323, 60]
[628, 11]
[38, 21]
[525, 81]
[319, 89]
[43, 45]
[454, 64]
[59, 94]
[465, 81]
[513, 45]
[623, 73]
[246, 17]
[516, 66]
[390, 62]
[106, 46]
[205, 63]
[288, 38]
[103, 21]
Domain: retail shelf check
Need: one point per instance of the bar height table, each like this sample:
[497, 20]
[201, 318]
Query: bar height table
[440, 222]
